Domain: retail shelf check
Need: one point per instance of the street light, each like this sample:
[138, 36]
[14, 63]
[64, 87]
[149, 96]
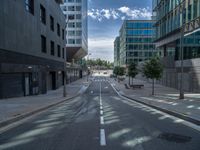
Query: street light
[87, 65]
[65, 72]
[181, 95]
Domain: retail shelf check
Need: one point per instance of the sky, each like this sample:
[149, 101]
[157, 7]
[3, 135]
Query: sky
[105, 18]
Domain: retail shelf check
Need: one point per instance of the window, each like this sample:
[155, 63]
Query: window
[78, 41]
[43, 44]
[71, 41]
[52, 48]
[78, 16]
[42, 14]
[63, 52]
[52, 23]
[29, 5]
[63, 34]
[71, 8]
[58, 29]
[71, 25]
[58, 50]
[78, 25]
[71, 33]
[78, 8]
[71, 17]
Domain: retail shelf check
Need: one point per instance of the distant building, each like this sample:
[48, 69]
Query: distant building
[76, 27]
[32, 43]
[171, 18]
[117, 51]
[136, 41]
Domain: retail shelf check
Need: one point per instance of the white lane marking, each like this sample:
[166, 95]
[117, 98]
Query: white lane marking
[101, 112]
[102, 137]
[102, 120]
[101, 107]
[184, 122]
[91, 92]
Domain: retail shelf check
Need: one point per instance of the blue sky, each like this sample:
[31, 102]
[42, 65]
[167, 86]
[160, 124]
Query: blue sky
[105, 18]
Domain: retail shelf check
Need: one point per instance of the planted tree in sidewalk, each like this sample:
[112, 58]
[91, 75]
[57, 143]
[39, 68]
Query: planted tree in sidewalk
[153, 69]
[119, 71]
[132, 71]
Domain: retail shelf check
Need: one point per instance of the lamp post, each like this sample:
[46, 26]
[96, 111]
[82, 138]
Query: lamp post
[64, 63]
[87, 65]
[181, 94]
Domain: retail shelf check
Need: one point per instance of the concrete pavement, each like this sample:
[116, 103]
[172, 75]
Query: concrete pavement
[165, 98]
[102, 120]
[14, 109]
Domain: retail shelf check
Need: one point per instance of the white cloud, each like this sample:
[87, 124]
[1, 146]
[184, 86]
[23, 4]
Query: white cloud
[120, 13]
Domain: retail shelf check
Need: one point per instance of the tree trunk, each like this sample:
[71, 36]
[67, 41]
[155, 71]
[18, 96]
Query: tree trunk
[129, 82]
[152, 86]
[132, 80]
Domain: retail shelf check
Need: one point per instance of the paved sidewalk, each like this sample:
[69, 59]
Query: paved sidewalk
[13, 107]
[165, 98]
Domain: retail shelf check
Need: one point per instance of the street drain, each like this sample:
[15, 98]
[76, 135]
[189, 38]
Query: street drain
[174, 137]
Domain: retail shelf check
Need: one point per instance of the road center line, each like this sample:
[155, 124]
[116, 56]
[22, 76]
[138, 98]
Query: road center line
[101, 112]
[102, 137]
[102, 120]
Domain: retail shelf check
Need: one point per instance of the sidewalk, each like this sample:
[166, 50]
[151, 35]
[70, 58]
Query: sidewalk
[165, 98]
[13, 108]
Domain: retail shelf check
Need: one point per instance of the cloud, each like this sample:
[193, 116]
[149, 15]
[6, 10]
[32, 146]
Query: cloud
[99, 46]
[120, 13]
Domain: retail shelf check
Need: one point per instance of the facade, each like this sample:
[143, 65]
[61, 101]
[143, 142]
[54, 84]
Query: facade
[32, 42]
[77, 28]
[173, 19]
[136, 41]
[117, 51]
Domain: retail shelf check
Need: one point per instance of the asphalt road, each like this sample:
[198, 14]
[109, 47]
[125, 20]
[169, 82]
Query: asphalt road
[100, 120]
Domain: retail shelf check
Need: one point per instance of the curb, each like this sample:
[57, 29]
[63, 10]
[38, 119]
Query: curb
[25, 115]
[170, 112]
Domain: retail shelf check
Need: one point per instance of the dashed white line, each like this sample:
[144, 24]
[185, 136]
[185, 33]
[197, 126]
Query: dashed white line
[101, 112]
[102, 120]
[102, 137]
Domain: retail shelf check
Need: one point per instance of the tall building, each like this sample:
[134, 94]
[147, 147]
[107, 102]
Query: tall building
[32, 42]
[173, 19]
[117, 51]
[77, 28]
[136, 41]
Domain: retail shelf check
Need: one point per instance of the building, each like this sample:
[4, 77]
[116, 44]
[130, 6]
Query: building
[32, 42]
[136, 41]
[173, 19]
[117, 51]
[76, 27]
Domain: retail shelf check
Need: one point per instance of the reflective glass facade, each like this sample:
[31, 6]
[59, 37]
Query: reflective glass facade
[136, 41]
[171, 16]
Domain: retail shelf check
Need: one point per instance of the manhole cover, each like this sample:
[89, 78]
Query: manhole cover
[175, 137]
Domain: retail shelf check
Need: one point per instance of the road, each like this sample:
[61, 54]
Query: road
[100, 119]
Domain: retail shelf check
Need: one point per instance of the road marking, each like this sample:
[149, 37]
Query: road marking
[101, 112]
[102, 137]
[184, 122]
[101, 107]
[102, 120]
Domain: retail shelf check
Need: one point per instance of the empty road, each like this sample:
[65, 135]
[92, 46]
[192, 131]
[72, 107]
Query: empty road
[100, 119]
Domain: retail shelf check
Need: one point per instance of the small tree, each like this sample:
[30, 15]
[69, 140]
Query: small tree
[153, 69]
[119, 71]
[132, 71]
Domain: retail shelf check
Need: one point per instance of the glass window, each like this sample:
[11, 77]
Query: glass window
[71, 41]
[58, 29]
[58, 51]
[52, 48]
[52, 23]
[29, 5]
[42, 14]
[43, 44]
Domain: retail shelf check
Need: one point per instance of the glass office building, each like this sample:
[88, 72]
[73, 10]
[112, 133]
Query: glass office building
[171, 17]
[136, 41]
[117, 51]
[76, 28]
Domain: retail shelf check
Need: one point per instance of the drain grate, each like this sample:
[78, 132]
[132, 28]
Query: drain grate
[171, 137]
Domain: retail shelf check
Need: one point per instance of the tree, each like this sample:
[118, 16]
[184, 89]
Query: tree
[132, 71]
[119, 71]
[153, 69]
